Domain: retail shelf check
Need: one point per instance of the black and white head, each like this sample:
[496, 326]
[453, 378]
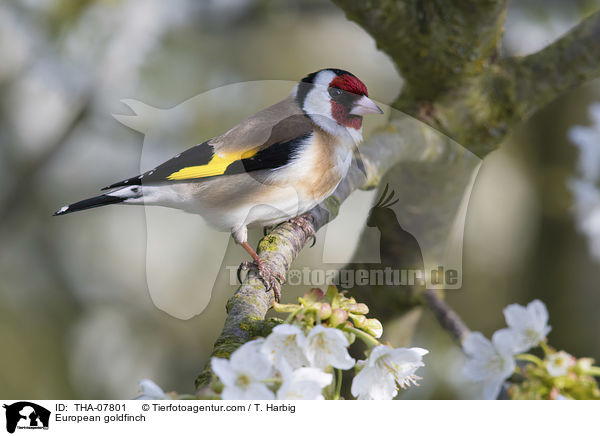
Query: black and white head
[336, 100]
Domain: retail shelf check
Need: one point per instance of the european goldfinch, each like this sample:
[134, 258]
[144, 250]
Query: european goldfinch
[274, 166]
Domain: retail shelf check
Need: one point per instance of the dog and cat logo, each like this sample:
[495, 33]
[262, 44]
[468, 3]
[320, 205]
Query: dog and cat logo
[26, 415]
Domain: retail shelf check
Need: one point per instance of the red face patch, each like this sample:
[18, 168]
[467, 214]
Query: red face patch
[341, 112]
[349, 83]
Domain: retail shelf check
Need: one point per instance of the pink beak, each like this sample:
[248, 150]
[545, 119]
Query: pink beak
[365, 106]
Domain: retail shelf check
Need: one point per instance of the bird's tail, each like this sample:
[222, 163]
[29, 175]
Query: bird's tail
[123, 195]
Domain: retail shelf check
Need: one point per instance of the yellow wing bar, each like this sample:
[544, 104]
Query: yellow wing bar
[216, 167]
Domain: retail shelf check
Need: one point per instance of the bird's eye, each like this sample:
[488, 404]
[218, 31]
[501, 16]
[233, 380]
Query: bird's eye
[335, 92]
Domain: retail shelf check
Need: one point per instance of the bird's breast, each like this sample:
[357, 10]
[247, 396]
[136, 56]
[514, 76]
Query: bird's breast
[325, 162]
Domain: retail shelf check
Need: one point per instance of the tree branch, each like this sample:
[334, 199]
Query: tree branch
[563, 65]
[447, 317]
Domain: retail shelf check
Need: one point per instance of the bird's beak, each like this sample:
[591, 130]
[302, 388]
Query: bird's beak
[365, 106]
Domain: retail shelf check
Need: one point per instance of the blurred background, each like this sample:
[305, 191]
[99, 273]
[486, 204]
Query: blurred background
[76, 316]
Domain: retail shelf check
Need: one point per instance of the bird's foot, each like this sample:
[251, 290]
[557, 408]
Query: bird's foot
[305, 223]
[271, 278]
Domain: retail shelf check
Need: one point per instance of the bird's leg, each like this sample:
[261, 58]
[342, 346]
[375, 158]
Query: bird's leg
[251, 251]
[271, 278]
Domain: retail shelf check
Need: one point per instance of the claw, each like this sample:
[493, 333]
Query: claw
[244, 266]
[303, 221]
[314, 240]
[270, 278]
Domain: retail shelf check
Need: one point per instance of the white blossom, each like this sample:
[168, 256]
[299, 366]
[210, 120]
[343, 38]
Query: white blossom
[304, 384]
[559, 363]
[489, 362]
[150, 391]
[244, 373]
[587, 139]
[584, 188]
[328, 346]
[586, 197]
[284, 347]
[529, 325]
[385, 370]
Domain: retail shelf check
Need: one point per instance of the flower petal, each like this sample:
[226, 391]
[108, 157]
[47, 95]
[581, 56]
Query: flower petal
[492, 387]
[328, 346]
[284, 347]
[255, 391]
[222, 369]
[259, 391]
[505, 342]
[516, 316]
[249, 359]
[477, 345]
[538, 312]
[304, 384]
[369, 384]
[378, 352]
[150, 391]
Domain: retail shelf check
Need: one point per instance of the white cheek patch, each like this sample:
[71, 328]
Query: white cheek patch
[317, 100]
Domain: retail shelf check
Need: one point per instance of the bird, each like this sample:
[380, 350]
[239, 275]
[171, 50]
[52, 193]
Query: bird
[274, 166]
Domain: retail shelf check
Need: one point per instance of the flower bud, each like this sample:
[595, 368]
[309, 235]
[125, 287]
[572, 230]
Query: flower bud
[325, 310]
[350, 336]
[361, 308]
[312, 296]
[285, 307]
[332, 293]
[350, 307]
[373, 327]
[360, 321]
[338, 316]
[585, 364]
[346, 303]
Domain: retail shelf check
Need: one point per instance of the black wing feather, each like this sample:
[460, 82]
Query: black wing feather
[198, 155]
[274, 153]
